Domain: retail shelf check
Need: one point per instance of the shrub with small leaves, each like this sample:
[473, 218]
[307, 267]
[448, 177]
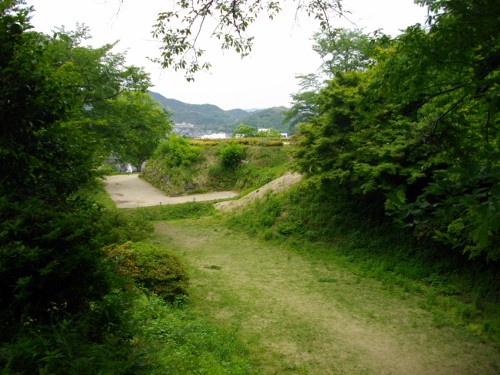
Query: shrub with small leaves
[152, 266]
[231, 155]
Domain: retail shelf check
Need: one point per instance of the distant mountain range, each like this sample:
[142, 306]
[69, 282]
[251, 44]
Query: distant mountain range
[208, 117]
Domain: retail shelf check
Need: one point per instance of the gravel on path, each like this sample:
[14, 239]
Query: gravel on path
[129, 191]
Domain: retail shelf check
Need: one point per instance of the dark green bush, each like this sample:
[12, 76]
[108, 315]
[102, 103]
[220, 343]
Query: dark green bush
[231, 155]
[119, 226]
[49, 256]
[151, 266]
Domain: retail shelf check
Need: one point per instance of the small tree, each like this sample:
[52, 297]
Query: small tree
[245, 131]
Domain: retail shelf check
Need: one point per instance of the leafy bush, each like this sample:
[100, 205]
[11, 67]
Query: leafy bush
[177, 151]
[50, 257]
[461, 208]
[231, 155]
[119, 226]
[152, 266]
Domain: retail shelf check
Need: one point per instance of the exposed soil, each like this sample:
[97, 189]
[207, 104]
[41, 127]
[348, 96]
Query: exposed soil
[129, 191]
[275, 186]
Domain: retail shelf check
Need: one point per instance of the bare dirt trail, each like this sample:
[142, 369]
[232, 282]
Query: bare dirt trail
[300, 316]
[129, 191]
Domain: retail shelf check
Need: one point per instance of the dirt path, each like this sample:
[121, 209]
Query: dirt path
[128, 191]
[299, 315]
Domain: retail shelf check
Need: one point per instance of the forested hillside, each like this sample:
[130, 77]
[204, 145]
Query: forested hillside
[209, 117]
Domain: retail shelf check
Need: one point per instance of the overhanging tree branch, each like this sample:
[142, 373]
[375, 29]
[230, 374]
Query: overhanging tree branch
[180, 48]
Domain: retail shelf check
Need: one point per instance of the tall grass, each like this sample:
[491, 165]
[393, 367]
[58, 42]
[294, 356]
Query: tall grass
[137, 333]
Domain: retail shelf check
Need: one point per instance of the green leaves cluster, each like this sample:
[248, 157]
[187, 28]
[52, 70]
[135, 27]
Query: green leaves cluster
[415, 132]
[181, 28]
[133, 126]
[176, 151]
[62, 104]
[150, 266]
[231, 155]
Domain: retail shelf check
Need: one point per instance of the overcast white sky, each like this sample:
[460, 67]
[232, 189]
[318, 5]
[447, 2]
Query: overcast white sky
[266, 78]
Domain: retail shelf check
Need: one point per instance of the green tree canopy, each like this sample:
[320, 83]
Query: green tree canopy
[245, 131]
[181, 27]
[133, 126]
[50, 144]
[417, 128]
[342, 51]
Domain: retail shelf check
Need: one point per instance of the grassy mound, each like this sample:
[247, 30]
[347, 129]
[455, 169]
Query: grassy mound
[180, 167]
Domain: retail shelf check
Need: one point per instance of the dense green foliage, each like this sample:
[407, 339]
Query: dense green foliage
[135, 125]
[176, 151]
[244, 130]
[231, 155]
[413, 132]
[208, 117]
[49, 241]
[54, 97]
[63, 309]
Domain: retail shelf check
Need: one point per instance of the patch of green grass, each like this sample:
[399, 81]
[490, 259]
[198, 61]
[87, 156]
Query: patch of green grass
[174, 341]
[289, 303]
[457, 291]
[138, 334]
[174, 211]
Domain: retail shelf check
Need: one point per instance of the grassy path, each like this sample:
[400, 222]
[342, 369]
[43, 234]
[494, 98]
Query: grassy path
[300, 315]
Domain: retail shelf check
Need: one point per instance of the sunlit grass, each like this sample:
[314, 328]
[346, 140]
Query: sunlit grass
[305, 308]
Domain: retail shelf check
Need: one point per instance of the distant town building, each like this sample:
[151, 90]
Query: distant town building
[215, 136]
[184, 129]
